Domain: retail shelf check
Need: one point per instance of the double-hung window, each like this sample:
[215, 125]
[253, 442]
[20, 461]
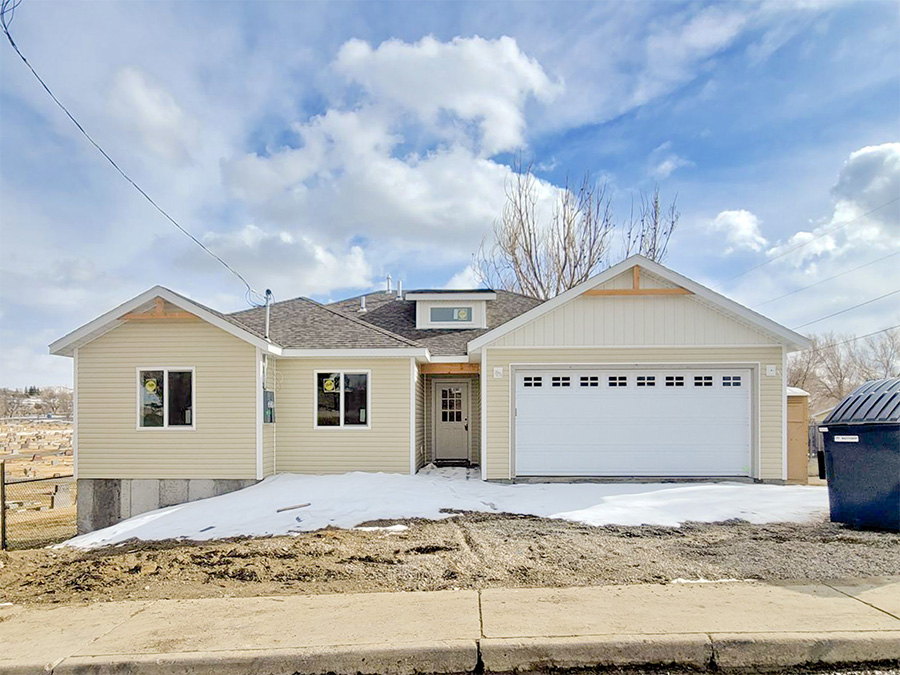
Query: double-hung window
[342, 399]
[166, 398]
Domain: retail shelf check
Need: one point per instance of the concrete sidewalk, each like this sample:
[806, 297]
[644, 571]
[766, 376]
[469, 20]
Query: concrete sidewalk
[724, 625]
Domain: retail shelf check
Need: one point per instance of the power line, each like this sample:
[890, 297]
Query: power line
[872, 262]
[862, 304]
[7, 15]
[806, 243]
[846, 342]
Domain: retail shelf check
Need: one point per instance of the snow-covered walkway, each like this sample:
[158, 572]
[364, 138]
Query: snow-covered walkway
[350, 499]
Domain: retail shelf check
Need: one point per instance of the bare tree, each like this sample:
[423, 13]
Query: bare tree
[57, 400]
[11, 402]
[649, 231]
[834, 365]
[544, 255]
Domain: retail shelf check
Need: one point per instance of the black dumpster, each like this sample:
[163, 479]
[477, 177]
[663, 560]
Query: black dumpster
[862, 457]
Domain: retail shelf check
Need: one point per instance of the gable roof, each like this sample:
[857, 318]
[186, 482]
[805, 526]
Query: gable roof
[399, 317]
[294, 324]
[66, 345]
[784, 335]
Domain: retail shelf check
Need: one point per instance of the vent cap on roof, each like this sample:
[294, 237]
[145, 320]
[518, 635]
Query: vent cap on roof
[877, 401]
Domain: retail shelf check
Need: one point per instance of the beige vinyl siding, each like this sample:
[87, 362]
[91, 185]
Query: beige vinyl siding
[385, 446]
[268, 430]
[420, 420]
[474, 419]
[223, 445]
[642, 320]
[768, 392]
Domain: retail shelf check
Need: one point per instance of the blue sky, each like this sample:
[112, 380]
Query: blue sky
[319, 146]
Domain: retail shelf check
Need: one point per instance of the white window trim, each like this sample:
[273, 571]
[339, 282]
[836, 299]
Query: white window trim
[165, 426]
[342, 426]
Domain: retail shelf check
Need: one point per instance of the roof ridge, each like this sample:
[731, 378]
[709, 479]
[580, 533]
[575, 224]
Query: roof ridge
[365, 324]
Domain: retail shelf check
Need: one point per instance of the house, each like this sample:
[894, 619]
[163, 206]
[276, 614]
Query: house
[638, 372]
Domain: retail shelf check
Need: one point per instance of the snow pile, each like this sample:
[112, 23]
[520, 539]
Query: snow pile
[350, 499]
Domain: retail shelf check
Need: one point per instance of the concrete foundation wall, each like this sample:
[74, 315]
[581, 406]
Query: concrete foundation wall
[106, 501]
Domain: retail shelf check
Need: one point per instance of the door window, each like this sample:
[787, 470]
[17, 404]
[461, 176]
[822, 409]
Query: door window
[451, 404]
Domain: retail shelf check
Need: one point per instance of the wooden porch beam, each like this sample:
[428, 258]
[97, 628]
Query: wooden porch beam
[156, 317]
[450, 368]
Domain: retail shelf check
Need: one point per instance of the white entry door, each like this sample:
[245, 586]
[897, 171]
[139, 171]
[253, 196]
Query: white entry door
[636, 422]
[451, 421]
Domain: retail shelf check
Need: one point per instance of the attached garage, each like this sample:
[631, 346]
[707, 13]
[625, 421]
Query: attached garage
[665, 421]
[638, 372]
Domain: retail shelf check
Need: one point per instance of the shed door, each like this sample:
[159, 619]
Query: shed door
[665, 422]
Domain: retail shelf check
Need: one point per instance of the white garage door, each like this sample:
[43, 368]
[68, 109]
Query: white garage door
[664, 422]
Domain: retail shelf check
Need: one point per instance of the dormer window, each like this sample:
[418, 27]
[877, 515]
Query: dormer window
[449, 309]
[451, 314]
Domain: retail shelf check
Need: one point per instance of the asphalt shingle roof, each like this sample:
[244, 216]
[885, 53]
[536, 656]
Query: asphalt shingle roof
[302, 323]
[399, 317]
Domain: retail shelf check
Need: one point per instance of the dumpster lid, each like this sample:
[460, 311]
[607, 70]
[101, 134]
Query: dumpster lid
[877, 401]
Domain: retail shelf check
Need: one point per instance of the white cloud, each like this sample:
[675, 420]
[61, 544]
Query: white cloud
[865, 216]
[153, 115]
[485, 82]
[741, 230]
[464, 279]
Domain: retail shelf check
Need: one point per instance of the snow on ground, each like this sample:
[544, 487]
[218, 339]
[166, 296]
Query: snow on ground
[350, 499]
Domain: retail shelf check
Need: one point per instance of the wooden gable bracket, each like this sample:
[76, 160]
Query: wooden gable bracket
[159, 312]
[636, 288]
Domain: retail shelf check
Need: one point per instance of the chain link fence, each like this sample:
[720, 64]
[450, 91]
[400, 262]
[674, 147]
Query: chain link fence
[36, 511]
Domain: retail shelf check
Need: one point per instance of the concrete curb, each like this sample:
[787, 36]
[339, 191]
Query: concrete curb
[783, 650]
[502, 655]
[723, 651]
[456, 656]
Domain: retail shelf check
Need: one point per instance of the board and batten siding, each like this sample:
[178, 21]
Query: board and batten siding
[223, 445]
[767, 397]
[625, 321]
[385, 446]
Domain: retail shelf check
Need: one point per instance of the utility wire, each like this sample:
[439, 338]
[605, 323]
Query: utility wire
[862, 304]
[822, 281]
[806, 243]
[847, 342]
[7, 14]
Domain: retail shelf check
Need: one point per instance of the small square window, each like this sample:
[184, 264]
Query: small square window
[646, 380]
[731, 380]
[532, 381]
[590, 381]
[674, 380]
[562, 381]
[618, 381]
[703, 380]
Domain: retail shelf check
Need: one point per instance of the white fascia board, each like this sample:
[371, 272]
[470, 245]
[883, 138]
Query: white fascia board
[111, 319]
[462, 358]
[487, 295]
[402, 352]
[785, 335]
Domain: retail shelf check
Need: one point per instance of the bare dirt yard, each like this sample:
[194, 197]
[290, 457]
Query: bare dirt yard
[470, 550]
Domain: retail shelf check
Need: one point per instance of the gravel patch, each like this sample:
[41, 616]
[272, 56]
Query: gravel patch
[469, 550]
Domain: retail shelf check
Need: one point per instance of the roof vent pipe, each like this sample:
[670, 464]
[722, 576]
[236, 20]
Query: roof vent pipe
[400, 290]
[268, 310]
[362, 303]
[388, 283]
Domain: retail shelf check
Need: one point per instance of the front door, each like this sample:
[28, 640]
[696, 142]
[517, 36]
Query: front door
[451, 421]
